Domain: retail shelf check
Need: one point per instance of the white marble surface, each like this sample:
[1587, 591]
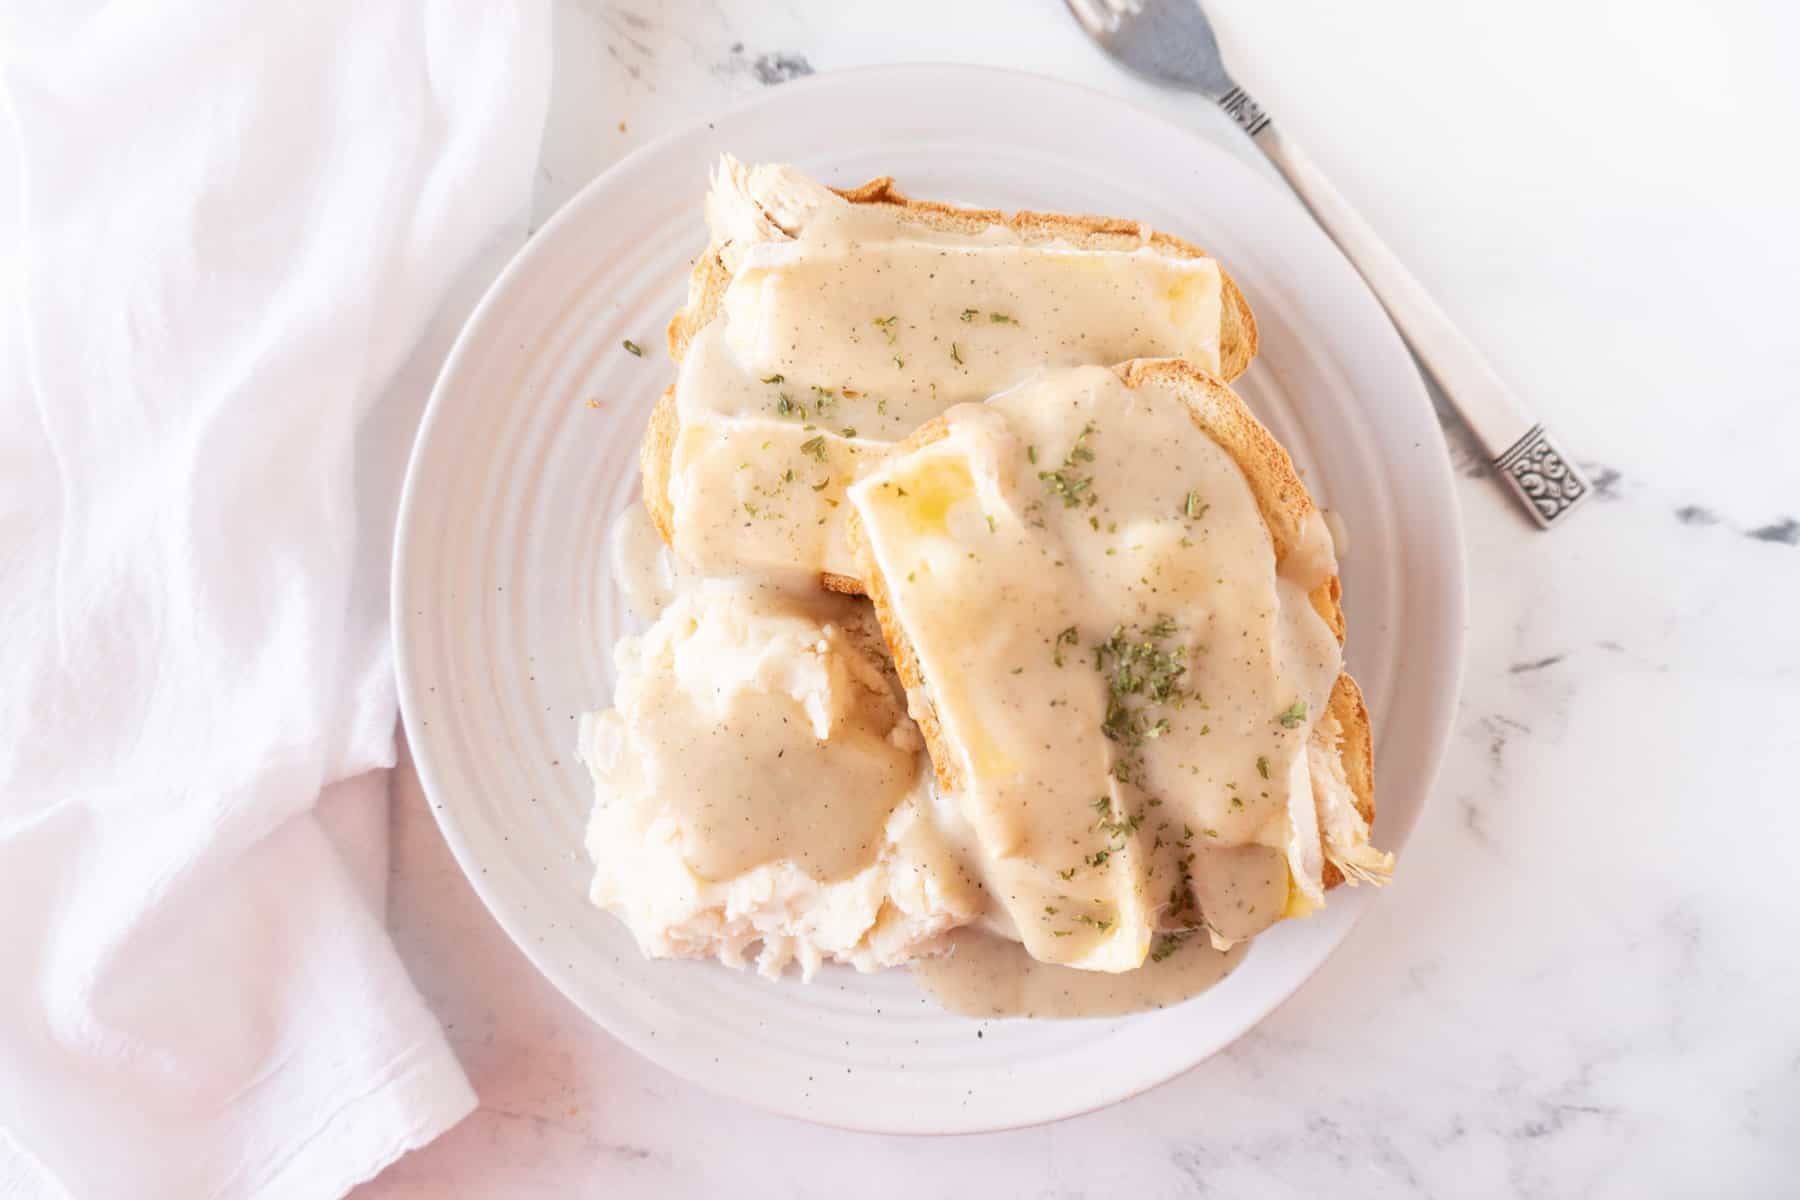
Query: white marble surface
[1584, 980]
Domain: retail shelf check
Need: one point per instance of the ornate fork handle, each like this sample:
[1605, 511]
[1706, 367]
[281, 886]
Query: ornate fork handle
[1242, 108]
[1539, 474]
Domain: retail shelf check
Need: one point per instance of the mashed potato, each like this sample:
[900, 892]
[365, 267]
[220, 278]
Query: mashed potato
[760, 793]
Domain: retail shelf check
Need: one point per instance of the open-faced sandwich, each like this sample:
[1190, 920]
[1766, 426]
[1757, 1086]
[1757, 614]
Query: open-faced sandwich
[1080, 689]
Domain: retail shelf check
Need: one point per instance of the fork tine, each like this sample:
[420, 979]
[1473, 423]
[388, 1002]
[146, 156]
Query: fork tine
[1094, 16]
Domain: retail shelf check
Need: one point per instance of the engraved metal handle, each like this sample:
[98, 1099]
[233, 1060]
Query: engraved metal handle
[1540, 475]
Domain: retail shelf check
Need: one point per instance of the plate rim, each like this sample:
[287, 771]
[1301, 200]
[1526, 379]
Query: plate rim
[1453, 587]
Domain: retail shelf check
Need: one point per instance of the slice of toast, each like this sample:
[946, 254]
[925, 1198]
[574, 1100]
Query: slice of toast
[713, 272]
[1339, 745]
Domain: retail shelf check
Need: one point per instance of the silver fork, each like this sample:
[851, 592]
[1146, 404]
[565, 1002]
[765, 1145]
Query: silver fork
[1171, 42]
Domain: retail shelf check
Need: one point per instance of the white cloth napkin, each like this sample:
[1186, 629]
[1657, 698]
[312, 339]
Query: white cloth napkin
[227, 231]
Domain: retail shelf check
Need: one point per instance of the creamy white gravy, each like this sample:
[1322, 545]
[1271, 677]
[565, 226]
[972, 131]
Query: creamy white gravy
[833, 345]
[1125, 679]
[891, 307]
[649, 575]
[989, 976]
[760, 792]
[764, 725]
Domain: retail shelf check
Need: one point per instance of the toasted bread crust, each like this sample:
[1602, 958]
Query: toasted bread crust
[1356, 750]
[710, 278]
[1282, 500]
[656, 462]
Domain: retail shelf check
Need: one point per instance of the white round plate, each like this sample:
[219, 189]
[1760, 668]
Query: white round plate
[505, 615]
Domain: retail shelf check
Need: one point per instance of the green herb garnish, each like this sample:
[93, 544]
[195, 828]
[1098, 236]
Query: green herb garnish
[1292, 715]
[1066, 482]
[1142, 673]
[1262, 766]
[1120, 829]
[814, 446]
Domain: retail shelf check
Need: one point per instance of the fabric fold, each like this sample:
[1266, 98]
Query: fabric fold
[234, 243]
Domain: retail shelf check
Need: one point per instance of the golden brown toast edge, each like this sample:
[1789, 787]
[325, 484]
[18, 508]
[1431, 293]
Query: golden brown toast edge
[1282, 500]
